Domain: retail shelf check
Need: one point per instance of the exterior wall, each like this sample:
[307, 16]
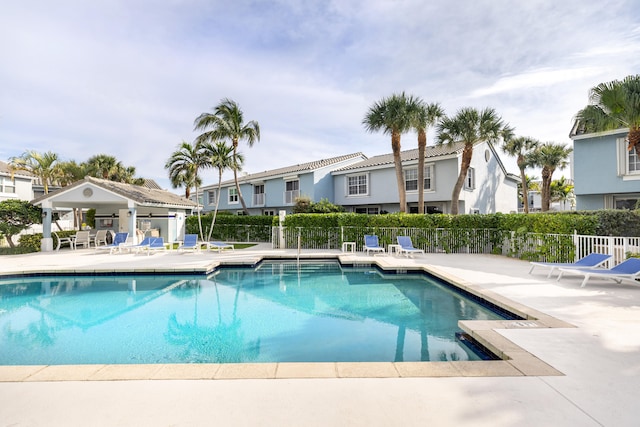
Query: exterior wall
[23, 188]
[595, 170]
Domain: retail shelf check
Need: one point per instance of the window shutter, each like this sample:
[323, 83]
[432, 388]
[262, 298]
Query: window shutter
[621, 156]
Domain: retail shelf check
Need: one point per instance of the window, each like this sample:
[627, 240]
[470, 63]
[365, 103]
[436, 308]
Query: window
[269, 212]
[628, 161]
[292, 191]
[411, 179]
[357, 185]
[631, 201]
[258, 195]
[211, 194]
[367, 210]
[7, 185]
[470, 180]
[233, 195]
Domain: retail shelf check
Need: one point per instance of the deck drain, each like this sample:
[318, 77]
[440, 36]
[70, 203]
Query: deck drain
[521, 324]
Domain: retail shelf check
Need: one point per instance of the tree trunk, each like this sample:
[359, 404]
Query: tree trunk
[395, 146]
[525, 186]
[235, 179]
[422, 145]
[467, 153]
[215, 211]
[546, 187]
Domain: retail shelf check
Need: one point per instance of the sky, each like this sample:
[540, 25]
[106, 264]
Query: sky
[128, 78]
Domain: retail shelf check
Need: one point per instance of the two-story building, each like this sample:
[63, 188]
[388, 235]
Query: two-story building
[18, 185]
[268, 192]
[370, 186]
[606, 173]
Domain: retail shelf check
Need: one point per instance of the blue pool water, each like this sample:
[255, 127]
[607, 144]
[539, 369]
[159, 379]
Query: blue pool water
[277, 312]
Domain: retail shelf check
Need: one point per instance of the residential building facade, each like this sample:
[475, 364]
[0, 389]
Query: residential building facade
[370, 186]
[606, 174]
[18, 185]
[267, 193]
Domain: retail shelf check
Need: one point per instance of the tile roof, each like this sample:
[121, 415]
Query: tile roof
[288, 170]
[139, 194]
[385, 159]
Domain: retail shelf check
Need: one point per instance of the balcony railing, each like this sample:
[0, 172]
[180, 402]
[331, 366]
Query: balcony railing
[290, 196]
[258, 199]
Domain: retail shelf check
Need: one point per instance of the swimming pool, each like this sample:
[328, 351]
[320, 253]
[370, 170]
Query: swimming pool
[276, 312]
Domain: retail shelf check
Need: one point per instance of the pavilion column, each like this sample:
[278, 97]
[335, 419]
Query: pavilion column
[132, 224]
[46, 244]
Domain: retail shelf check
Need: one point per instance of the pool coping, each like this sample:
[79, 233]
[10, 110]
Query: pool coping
[515, 361]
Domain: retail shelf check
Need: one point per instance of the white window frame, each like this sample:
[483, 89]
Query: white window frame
[233, 196]
[428, 178]
[357, 185]
[628, 161]
[7, 183]
[470, 179]
[290, 196]
[258, 198]
[212, 196]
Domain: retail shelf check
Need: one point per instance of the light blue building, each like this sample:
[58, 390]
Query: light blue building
[368, 185]
[268, 192]
[606, 174]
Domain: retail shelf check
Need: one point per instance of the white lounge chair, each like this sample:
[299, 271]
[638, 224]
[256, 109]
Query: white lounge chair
[220, 246]
[626, 270]
[406, 246]
[371, 244]
[590, 261]
[118, 243]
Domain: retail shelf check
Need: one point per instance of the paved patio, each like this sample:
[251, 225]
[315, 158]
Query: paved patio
[596, 363]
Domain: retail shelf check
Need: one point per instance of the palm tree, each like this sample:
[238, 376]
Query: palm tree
[102, 166]
[188, 160]
[521, 147]
[562, 191]
[42, 165]
[70, 172]
[394, 115]
[470, 127]
[221, 157]
[549, 156]
[227, 122]
[426, 115]
[614, 105]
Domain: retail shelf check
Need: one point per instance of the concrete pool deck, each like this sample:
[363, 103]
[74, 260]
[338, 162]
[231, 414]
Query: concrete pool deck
[594, 376]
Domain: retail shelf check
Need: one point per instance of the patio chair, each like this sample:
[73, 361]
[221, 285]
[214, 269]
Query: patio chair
[100, 238]
[371, 244]
[118, 243]
[190, 243]
[626, 270]
[220, 246]
[83, 238]
[156, 244]
[406, 246]
[64, 241]
[590, 261]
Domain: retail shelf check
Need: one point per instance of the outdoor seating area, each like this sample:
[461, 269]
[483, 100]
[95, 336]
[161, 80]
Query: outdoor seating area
[627, 270]
[590, 261]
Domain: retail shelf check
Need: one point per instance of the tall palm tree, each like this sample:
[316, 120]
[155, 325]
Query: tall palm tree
[42, 165]
[426, 115]
[188, 160]
[394, 116]
[561, 191]
[549, 156]
[221, 157]
[614, 105]
[521, 147]
[470, 127]
[102, 166]
[227, 122]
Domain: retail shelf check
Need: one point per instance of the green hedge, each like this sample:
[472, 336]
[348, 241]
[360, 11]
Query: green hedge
[234, 228]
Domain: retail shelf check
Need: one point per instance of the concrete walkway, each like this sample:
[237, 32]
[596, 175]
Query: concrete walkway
[600, 360]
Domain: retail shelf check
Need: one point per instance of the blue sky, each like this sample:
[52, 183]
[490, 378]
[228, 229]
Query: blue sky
[128, 77]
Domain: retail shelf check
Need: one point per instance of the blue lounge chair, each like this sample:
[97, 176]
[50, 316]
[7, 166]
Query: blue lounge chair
[118, 243]
[190, 243]
[144, 244]
[371, 244]
[150, 244]
[406, 246]
[626, 270]
[220, 246]
[590, 261]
